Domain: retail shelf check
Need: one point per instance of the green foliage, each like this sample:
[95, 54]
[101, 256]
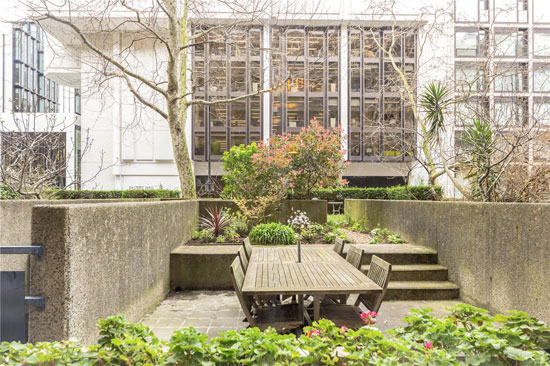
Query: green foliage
[204, 235]
[360, 226]
[130, 193]
[238, 164]
[338, 221]
[231, 236]
[384, 236]
[272, 233]
[220, 239]
[6, 193]
[481, 148]
[239, 223]
[435, 100]
[469, 336]
[422, 193]
[330, 236]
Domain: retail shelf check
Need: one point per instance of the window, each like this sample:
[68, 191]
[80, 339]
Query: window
[31, 92]
[469, 78]
[511, 44]
[541, 78]
[312, 86]
[541, 11]
[471, 10]
[374, 85]
[511, 77]
[541, 41]
[510, 11]
[541, 112]
[227, 67]
[465, 111]
[511, 112]
[470, 43]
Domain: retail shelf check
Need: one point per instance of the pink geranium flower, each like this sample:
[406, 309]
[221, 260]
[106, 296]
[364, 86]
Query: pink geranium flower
[428, 345]
[344, 328]
[313, 332]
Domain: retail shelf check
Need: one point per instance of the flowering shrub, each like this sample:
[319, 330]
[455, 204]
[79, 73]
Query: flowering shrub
[467, 337]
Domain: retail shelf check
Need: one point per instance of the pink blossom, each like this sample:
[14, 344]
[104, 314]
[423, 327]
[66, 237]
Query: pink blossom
[428, 345]
[344, 328]
[313, 332]
[364, 315]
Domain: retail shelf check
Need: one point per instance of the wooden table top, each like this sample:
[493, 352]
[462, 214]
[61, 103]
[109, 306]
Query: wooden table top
[274, 271]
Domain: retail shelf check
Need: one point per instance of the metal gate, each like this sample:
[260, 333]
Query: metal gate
[13, 324]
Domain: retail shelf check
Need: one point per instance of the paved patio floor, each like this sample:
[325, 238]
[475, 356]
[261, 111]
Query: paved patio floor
[212, 312]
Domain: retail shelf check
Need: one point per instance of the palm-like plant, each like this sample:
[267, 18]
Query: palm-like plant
[435, 100]
[217, 221]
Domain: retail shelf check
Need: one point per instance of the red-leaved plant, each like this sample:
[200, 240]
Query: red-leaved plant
[217, 222]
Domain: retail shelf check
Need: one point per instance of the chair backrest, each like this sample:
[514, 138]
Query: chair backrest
[354, 256]
[237, 277]
[244, 259]
[379, 272]
[338, 245]
[247, 247]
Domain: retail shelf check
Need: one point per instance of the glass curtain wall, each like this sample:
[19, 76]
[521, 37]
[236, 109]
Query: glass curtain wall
[32, 91]
[227, 66]
[308, 59]
[381, 126]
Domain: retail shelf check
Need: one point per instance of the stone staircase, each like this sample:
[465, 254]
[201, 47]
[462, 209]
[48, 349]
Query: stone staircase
[416, 274]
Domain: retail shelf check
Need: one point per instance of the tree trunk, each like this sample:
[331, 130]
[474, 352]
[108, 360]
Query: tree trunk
[177, 107]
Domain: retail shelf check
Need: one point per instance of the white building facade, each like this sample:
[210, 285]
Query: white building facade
[333, 71]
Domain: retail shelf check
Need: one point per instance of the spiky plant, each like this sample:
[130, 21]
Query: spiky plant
[217, 220]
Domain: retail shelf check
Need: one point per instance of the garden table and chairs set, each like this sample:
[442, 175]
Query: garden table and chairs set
[288, 287]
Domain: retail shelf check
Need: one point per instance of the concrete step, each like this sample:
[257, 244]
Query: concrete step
[421, 290]
[397, 254]
[415, 272]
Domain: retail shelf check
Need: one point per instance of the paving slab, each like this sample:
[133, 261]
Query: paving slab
[212, 312]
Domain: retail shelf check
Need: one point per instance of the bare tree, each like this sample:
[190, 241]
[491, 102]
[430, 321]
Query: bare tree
[35, 152]
[492, 88]
[171, 31]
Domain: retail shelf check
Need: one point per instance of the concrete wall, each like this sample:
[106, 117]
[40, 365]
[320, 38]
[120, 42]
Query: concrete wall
[15, 227]
[498, 253]
[102, 259]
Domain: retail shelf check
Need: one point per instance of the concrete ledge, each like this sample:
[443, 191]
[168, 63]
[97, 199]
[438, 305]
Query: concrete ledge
[100, 260]
[498, 253]
[202, 267]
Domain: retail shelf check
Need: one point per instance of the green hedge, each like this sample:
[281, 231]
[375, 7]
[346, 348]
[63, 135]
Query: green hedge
[130, 193]
[422, 193]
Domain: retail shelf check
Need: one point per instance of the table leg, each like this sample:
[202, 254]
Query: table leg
[316, 308]
[301, 304]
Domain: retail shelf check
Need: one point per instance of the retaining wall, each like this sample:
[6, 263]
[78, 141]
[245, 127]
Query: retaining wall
[100, 260]
[498, 253]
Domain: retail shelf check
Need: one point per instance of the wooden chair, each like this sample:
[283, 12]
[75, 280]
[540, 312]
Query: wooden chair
[338, 246]
[355, 256]
[243, 258]
[350, 315]
[282, 318]
[379, 272]
[247, 248]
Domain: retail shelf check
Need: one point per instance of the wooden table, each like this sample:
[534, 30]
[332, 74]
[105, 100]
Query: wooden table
[275, 271]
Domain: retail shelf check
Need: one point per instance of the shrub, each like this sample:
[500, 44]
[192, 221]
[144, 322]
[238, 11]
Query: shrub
[217, 220]
[205, 235]
[360, 226]
[272, 233]
[469, 336]
[6, 193]
[331, 236]
[239, 223]
[131, 193]
[422, 193]
[385, 236]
